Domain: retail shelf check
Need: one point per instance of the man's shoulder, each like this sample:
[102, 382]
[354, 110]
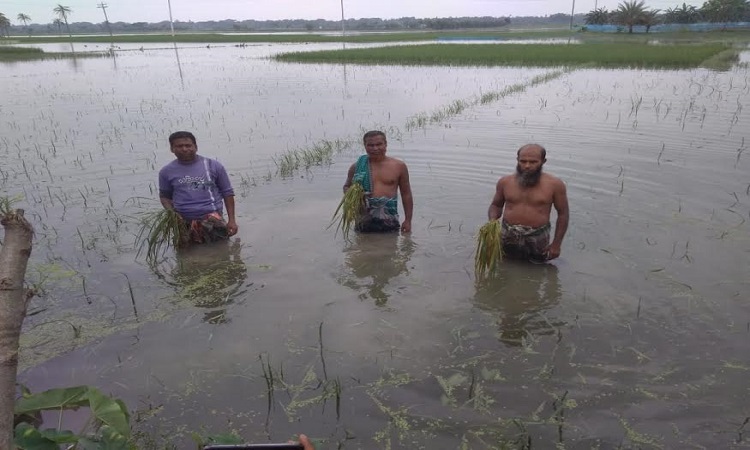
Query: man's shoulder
[395, 161]
[168, 167]
[505, 179]
[552, 180]
[214, 162]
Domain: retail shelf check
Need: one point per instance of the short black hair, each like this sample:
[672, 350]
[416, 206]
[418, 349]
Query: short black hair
[542, 150]
[374, 133]
[181, 135]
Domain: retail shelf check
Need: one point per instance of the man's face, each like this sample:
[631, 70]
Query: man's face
[529, 167]
[184, 149]
[375, 146]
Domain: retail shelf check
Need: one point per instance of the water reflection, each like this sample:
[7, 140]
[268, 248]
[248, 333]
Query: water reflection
[518, 297]
[372, 260]
[210, 276]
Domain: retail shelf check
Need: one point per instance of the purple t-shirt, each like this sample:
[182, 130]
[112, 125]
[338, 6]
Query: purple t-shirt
[196, 188]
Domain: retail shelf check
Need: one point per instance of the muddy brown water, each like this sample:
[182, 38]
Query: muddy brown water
[637, 337]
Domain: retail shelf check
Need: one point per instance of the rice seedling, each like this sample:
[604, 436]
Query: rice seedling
[11, 54]
[597, 54]
[159, 231]
[349, 209]
[489, 251]
[317, 155]
[421, 120]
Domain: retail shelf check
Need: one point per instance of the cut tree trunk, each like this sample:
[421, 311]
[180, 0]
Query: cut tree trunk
[14, 298]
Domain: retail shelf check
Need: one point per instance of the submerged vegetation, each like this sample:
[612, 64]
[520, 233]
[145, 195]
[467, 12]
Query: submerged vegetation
[318, 154]
[10, 54]
[456, 107]
[600, 55]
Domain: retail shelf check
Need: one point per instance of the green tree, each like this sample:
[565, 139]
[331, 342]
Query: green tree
[25, 19]
[58, 23]
[650, 18]
[4, 24]
[630, 13]
[684, 14]
[725, 10]
[598, 16]
[62, 12]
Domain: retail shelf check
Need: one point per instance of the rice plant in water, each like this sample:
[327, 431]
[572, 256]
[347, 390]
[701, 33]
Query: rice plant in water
[349, 209]
[159, 231]
[489, 252]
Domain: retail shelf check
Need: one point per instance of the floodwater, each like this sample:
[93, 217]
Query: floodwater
[637, 337]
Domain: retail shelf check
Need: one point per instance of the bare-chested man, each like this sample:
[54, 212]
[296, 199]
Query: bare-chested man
[525, 200]
[382, 177]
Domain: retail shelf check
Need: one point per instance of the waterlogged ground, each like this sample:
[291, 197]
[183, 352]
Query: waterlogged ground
[638, 337]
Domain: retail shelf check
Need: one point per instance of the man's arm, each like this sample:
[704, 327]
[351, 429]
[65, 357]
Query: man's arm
[231, 220]
[404, 186]
[349, 178]
[498, 201]
[166, 202]
[165, 191]
[560, 201]
[227, 194]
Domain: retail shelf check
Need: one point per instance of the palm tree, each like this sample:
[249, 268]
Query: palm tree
[725, 10]
[597, 17]
[59, 24]
[62, 12]
[25, 19]
[4, 24]
[629, 13]
[685, 14]
[650, 18]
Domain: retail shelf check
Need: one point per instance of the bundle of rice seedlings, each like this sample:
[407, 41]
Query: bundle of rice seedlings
[489, 253]
[159, 231]
[349, 209]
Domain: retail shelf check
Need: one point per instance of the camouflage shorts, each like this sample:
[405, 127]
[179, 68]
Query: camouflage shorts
[529, 243]
[210, 228]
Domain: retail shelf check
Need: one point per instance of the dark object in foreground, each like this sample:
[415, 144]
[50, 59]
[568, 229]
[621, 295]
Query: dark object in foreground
[256, 447]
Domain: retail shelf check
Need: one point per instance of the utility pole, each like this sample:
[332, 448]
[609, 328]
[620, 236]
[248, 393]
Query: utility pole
[343, 28]
[104, 7]
[572, 12]
[171, 23]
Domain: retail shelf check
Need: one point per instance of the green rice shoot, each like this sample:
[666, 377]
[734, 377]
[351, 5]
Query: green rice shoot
[159, 231]
[489, 252]
[349, 209]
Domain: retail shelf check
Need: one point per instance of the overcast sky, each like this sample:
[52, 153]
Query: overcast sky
[199, 10]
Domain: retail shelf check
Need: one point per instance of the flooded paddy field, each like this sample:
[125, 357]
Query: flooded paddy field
[637, 337]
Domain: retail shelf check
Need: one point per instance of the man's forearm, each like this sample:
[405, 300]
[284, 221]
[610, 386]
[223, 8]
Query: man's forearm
[229, 203]
[408, 207]
[166, 203]
[561, 227]
[494, 212]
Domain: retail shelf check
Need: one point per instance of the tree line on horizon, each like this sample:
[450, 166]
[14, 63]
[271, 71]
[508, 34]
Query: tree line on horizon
[61, 23]
[632, 13]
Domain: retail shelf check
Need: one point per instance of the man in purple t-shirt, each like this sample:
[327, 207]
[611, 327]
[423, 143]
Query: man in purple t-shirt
[197, 188]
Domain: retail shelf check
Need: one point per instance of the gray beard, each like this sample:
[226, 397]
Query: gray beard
[528, 179]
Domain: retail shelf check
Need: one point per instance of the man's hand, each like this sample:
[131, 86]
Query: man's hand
[305, 441]
[553, 251]
[232, 227]
[406, 226]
